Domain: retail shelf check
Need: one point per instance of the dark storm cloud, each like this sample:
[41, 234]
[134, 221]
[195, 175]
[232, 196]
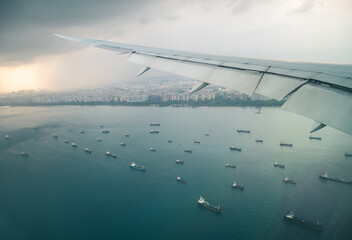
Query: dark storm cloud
[27, 27]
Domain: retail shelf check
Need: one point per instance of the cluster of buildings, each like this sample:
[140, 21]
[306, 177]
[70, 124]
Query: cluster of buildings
[154, 90]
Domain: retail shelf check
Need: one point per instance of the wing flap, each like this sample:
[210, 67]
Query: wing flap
[277, 87]
[332, 107]
[243, 81]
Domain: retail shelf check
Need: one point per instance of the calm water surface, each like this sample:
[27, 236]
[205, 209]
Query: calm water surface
[60, 192]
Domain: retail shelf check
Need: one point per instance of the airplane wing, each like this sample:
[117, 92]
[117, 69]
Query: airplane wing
[322, 92]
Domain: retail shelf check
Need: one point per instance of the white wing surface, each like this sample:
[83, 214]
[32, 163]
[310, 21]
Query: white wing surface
[322, 92]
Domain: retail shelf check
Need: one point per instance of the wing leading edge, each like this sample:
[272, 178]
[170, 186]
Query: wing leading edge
[322, 92]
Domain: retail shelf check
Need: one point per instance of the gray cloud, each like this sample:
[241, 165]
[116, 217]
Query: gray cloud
[27, 27]
[305, 6]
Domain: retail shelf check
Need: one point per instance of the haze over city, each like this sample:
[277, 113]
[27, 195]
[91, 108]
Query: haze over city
[33, 58]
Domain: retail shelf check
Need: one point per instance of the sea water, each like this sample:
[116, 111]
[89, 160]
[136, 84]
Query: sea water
[61, 192]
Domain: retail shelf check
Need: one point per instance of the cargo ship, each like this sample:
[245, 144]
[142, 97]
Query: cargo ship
[230, 165]
[290, 216]
[325, 176]
[135, 166]
[348, 154]
[188, 150]
[259, 140]
[235, 148]
[196, 141]
[154, 131]
[287, 180]
[123, 144]
[314, 138]
[243, 131]
[179, 179]
[279, 165]
[109, 154]
[87, 150]
[238, 186]
[74, 145]
[205, 204]
[179, 161]
[105, 131]
[286, 144]
[154, 124]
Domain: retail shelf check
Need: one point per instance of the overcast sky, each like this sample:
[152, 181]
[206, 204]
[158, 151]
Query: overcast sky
[31, 57]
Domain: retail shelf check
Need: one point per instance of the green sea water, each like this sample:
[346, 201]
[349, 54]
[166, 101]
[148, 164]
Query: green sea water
[60, 192]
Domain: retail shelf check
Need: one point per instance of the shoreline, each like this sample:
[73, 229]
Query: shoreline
[271, 103]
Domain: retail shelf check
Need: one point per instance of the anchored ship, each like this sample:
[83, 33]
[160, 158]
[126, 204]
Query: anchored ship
[314, 138]
[127, 135]
[169, 141]
[287, 180]
[154, 124]
[105, 131]
[135, 166]
[279, 165]
[286, 144]
[66, 141]
[179, 161]
[259, 140]
[74, 145]
[290, 216]
[188, 150]
[243, 131]
[152, 149]
[109, 154]
[207, 134]
[99, 139]
[235, 148]
[325, 175]
[122, 144]
[348, 154]
[7, 137]
[55, 136]
[24, 154]
[154, 131]
[238, 186]
[179, 179]
[82, 131]
[207, 205]
[230, 165]
[87, 150]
